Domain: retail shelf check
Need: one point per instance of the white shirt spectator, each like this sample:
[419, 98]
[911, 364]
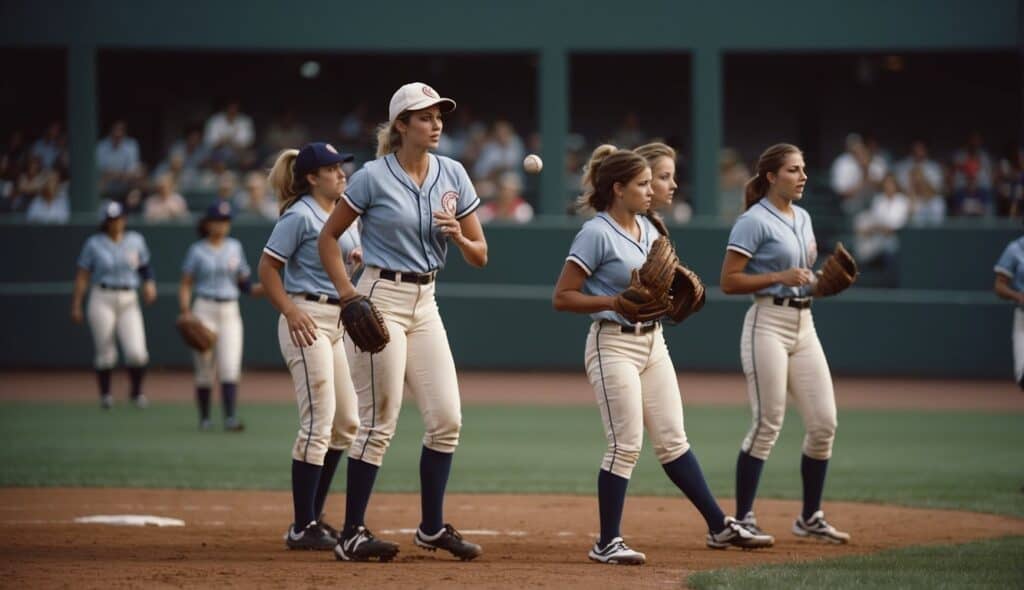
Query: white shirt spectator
[237, 132]
[876, 228]
[165, 207]
[119, 158]
[931, 169]
[847, 173]
[55, 210]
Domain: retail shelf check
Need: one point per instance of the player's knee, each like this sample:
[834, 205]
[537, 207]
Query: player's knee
[672, 450]
[443, 436]
[621, 460]
[819, 438]
[136, 358]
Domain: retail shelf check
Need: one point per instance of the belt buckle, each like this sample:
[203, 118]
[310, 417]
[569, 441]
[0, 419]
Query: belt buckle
[398, 277]
[322, 298]
[638, 329]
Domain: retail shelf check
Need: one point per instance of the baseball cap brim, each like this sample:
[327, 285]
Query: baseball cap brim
[447, 105]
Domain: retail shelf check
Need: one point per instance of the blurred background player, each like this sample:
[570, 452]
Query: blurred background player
[308, 183]
[111, 266]
[1010, 285]
[217, 269]
[770, 254]
[627, 361]
[392, 196]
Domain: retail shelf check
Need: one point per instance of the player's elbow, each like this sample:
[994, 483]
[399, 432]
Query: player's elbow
[727, 285]
[559, 301]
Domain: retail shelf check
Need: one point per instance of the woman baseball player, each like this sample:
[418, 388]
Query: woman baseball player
[114, 262]
[1010, 285]
[217, 268]
[411, 203]
[308, 183]
[627, 361]
[770, 254]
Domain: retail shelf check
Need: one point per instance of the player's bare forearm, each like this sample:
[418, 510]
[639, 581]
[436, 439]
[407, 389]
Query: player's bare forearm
[1005, 291]
[473, 251]
[742, 283]
[81, 284]
[185, 294]
[269, 271]
[578, 302]
[334, 264]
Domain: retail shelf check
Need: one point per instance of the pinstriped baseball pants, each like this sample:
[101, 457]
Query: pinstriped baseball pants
[781, 354]
[636, 387]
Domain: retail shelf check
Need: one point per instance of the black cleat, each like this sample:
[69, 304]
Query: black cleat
[450, 540]
[363, 546]
[310, 538]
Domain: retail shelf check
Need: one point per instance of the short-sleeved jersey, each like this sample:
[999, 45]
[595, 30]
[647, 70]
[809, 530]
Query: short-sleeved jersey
[1011, 264]
[293, 242]
[398, 231]
[215, 272]
[773, 242]
[607, 253]
[114, 264]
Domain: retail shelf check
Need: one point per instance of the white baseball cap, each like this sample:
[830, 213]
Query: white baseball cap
[415, 96]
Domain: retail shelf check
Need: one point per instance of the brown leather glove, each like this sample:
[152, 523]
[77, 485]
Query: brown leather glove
[195, 334]
[837, 273]
[686, 294]
[638, 304]
[364, 324]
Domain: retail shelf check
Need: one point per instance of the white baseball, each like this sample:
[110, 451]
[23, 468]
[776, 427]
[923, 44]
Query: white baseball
[532, 163]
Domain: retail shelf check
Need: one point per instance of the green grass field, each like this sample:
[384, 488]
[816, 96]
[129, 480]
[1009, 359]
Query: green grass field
[959, 460]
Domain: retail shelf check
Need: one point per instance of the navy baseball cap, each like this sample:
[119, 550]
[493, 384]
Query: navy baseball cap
[317, 155]
[219, 211]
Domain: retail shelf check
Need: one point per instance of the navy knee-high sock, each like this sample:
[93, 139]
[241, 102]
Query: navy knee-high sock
[331, 460]
[748, 474]
[611, 499]
[228, 395]
[136, 374]
[203, 399]
[103, 379]
[361, 476]
[434, 470]
[685, 472]
[305, 477]
[813, 473]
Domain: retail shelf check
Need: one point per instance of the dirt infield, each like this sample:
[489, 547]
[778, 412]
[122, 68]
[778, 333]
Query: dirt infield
[548, 388]
[233, 540]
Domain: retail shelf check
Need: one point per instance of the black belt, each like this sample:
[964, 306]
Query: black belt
[322, 299]
[115, 287]
[797, 303]
[217, 299]
[643, 328]
[418, 278]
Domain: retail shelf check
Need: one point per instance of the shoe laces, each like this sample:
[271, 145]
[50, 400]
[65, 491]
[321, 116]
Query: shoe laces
[451, 531]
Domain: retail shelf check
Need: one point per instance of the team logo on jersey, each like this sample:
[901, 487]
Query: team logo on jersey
[430, 92]
[449, 201]
[330, 148]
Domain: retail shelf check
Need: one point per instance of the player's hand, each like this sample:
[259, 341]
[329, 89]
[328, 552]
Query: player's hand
[356, 258]
[1019, 297]
[300, 327]
[148, 292]
[795, 277]
[448, 224]
[76, 314]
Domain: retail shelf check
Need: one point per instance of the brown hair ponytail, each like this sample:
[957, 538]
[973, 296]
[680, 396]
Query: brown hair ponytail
[607, 166]
[771, 160]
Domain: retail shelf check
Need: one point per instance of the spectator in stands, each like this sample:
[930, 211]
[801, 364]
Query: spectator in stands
[193, 154]
[284, 132]
[972, 199]
[508, 205]
[972, 164]
[353, 127]
[30, 183]
[732, 180]
[877, 226]
[856, 174]
[121, 171]
[918, 158]
[226, 187]
[210, 177]
[186, 179]
[51, 204]
[927, 206]
[16, 152]
[502, 152]
[51, 147]
[1010, 182]
[7, 185]
[255, 199]
[229, 134]
[629, 135]
[165, 204]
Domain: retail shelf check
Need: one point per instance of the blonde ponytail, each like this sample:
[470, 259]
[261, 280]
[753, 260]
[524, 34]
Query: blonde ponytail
[282, 179]
[388, 137]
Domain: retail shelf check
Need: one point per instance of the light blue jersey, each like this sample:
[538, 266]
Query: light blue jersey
[1011, 264]
[775, 243]
[293, 242]
[398, 224]
[607, 253]
[114, 264]
[216, 271]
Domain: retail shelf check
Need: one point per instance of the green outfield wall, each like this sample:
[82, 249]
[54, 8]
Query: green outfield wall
[946, 323]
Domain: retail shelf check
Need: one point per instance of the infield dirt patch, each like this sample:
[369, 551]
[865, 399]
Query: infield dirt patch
[234, 540]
